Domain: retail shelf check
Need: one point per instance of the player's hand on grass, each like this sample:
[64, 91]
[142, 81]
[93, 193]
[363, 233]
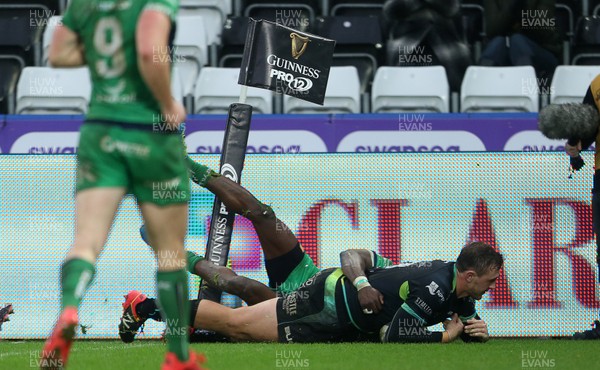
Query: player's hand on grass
[173, 115]
[370, 300]
[454, 327]
[478, 329]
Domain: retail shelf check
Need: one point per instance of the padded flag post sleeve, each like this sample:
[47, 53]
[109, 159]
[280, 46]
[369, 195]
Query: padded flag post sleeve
[232, 163]
[286, 61]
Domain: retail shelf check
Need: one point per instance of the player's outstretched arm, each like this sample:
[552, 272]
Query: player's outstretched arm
[354, 263]
[475, 330]
[405, 328]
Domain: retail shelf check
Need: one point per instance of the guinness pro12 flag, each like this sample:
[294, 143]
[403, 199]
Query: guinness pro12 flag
[286, 61]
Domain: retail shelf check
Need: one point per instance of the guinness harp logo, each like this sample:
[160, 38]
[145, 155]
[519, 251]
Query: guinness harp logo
[299, 44]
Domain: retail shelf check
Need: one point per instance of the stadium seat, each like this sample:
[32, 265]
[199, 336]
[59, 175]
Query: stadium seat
[570, 83]
[499, 89]
[354, 8]
[214, 12]
[342, 95]
[359, 43]
[43, 90]
[47, 37]
[565, 21]
[176, 84]
[217, 88]
[473, 25]
[11, 68]
[233, 40]
[586, 47]
[54, 7]
[576, 6]
[21, 27]
[191, 49]
[410, 89]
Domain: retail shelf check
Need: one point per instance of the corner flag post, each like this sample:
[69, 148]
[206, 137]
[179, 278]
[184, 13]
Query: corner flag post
[273, 55]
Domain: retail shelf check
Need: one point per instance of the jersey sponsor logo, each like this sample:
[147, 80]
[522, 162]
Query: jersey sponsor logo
[410, 141]
[290, 305]
[107, 6]
[434, 289]
[109, 145]
[423, 264]
[424, 306]
[115, 94]
[288, 334]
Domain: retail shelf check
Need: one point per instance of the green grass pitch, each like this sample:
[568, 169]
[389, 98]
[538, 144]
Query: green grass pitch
[496, 354]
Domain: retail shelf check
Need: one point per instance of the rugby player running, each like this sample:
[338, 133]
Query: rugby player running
[125, 44]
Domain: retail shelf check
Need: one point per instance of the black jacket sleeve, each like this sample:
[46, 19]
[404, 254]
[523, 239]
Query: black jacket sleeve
[501, 16]
[586, 142]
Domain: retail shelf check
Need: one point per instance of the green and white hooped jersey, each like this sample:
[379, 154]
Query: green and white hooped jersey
[107, 29]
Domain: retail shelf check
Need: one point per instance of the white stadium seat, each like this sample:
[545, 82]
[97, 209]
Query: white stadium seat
[342, 95]
[176, 85]
[44, 90]
[47, 37]
[570, 83]
[499, 89]
[215, 13]
[191, 49]
[217, 88]
[410, 89]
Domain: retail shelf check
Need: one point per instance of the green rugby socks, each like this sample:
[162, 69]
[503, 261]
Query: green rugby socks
[76, 276]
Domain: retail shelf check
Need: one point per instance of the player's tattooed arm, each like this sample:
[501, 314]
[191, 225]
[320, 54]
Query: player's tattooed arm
[354, 263]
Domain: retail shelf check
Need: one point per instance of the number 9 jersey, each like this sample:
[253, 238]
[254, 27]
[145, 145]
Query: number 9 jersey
[109, 26]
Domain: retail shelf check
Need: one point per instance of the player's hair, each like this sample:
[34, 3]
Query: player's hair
[479, 257]
[569, 121]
